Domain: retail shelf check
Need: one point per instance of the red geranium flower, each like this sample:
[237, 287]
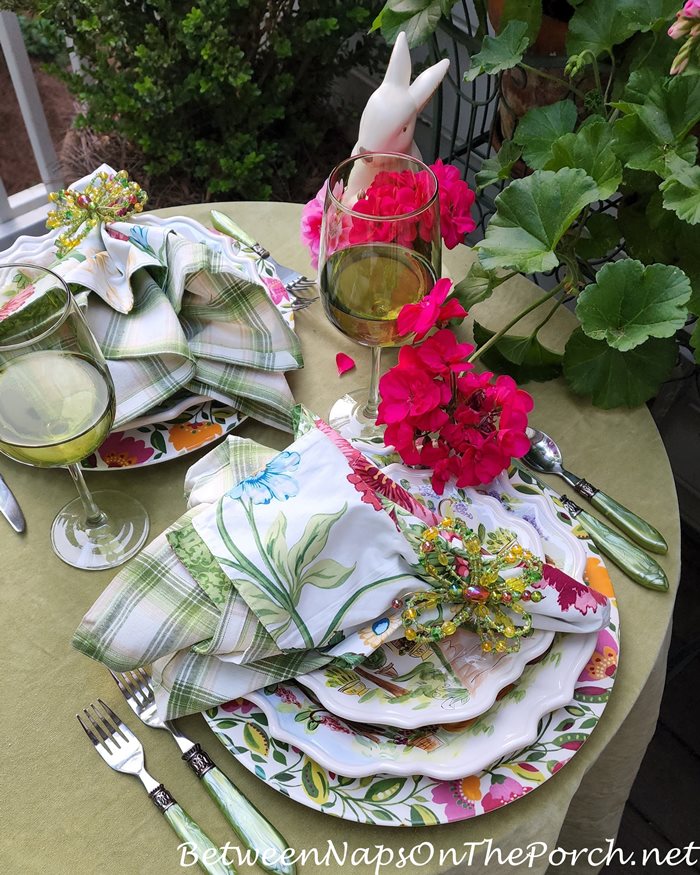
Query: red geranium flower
[430, 311]
[456, 200]
[442, 354]
[406, 392]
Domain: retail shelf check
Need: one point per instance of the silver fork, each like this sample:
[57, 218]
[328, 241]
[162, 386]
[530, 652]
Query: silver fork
[123, 752]
[254, 830]
[293, 281]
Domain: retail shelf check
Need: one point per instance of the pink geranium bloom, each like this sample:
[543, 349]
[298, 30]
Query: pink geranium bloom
[401, 435]
[456, 201]
[430, 311]
[406, 392]
[433, 420]
[311, 219]
[481, 461]
[442, 354]
[444, 465]
[691, 9]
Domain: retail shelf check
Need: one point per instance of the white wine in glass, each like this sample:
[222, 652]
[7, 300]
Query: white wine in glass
[57, 406]
[352, 279]
[380, 250]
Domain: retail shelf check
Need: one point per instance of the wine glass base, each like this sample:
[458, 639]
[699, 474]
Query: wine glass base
[120, 533]
[348, 418]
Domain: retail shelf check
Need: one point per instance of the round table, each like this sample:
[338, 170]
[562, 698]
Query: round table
[65, 811]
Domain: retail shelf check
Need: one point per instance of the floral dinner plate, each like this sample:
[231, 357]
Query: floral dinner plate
[416, 800]
[415, 685]
[441, 751]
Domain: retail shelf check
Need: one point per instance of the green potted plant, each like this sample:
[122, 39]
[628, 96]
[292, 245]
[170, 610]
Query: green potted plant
[612, 170]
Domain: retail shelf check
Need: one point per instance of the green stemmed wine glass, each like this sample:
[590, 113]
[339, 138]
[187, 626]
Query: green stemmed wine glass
[56, 407]
[380, 249]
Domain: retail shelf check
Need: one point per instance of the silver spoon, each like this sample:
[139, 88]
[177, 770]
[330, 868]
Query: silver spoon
[544, 456]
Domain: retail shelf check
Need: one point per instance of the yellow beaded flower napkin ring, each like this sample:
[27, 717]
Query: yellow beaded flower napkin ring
[105, 199]
[452, 556]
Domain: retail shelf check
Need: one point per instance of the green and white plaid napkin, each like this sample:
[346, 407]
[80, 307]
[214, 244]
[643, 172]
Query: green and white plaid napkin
[174, 308]
[295, 565]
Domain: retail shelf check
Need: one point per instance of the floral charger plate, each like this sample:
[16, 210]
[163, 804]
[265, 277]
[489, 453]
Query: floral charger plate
[185, 422]
[409, 685]
[383, 799]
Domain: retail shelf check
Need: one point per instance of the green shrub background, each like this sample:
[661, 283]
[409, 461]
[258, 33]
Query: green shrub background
[231, 95]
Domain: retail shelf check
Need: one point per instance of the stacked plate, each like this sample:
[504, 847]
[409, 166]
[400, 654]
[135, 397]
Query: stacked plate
[423, 734]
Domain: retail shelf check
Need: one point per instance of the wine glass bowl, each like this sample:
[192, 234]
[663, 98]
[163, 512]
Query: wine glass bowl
[57, 405]
[380, 249]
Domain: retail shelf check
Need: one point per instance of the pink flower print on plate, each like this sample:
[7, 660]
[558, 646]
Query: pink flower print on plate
[121, 451]
[503, 791]
[275, 289]
[570, 592]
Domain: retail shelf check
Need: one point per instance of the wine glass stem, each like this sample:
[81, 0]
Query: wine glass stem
[93, 515]
[372, 406]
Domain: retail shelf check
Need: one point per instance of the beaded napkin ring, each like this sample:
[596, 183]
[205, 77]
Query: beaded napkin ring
[105, 199]
[451, 555]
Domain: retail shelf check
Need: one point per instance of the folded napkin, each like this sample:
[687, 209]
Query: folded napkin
[306, 558]
[173, 308]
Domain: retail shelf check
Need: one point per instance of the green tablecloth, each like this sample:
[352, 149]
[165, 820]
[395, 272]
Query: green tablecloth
[64, 811]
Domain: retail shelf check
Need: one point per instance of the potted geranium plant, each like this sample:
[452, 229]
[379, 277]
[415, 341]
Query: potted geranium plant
[621, 177]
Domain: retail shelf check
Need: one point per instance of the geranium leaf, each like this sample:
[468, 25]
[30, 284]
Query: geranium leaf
[600, 235]
[540, 127]
[417, 18]
[499, 165]
[477, 286]
[694, 303]
[523, 358]
[589, 148]
[641, 149]
[532, 214]
[695, 340]
[670, 106]
[529, 11]
[647, 14]
[499, 52]
[421, 24]
[659, 116]
[682, 190]
[629, 303]
[648, 229]
[613, 378]
[654, 234]
[597, 26]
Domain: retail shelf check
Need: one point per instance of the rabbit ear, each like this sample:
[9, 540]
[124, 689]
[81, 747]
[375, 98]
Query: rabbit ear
[398, 71]
[423, 88]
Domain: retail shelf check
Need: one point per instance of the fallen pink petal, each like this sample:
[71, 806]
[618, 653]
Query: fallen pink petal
[344, 363]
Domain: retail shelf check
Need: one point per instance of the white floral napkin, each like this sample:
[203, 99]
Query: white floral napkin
[304, 559]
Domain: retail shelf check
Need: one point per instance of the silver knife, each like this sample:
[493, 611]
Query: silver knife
[9, 507]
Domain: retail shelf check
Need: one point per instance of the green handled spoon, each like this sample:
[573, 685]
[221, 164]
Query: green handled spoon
[545, 456]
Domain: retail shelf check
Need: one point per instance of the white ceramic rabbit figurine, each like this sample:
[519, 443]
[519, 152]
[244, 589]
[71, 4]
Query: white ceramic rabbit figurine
[389, 119]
